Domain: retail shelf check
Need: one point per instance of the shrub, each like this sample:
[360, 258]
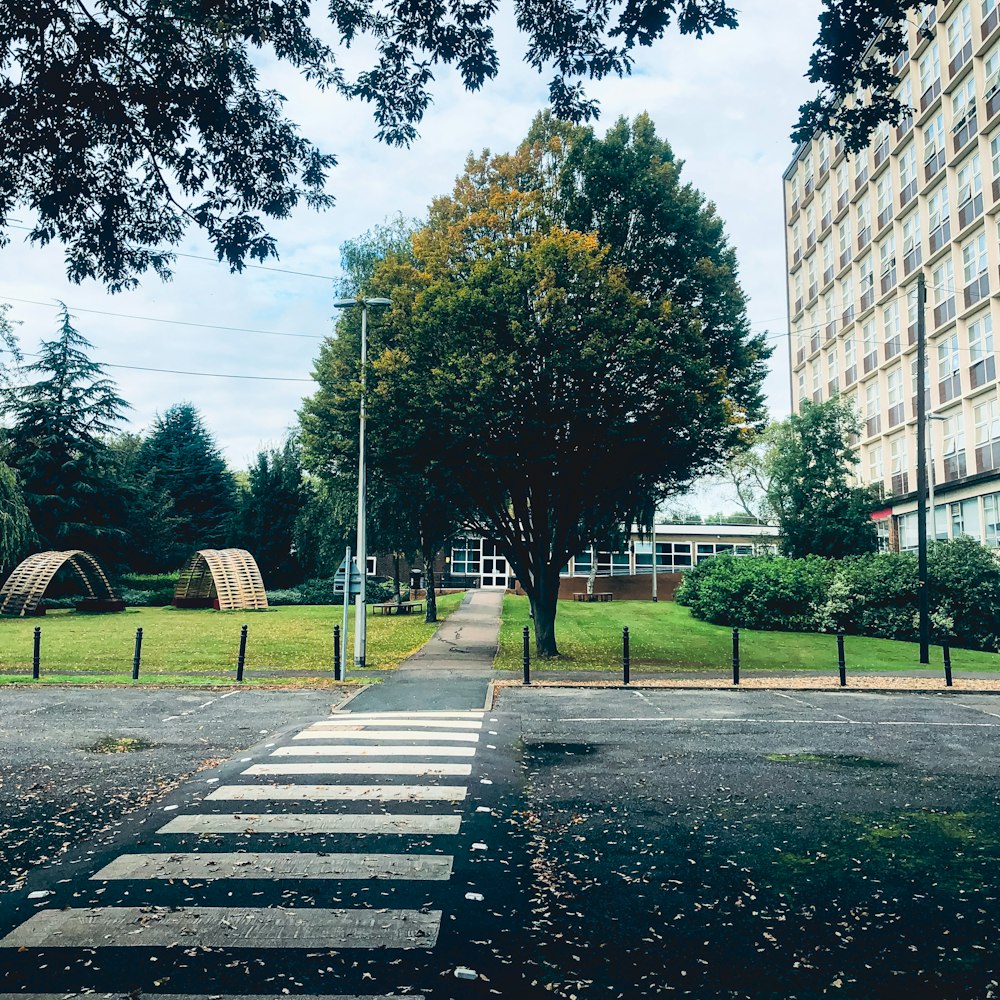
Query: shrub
[761, 592]
[320, 591]
[964, 589]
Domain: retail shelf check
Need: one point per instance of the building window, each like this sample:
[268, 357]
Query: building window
[912, 250]
[938, 218]
[970, 191]
[882, 534]
[844, 242]
[930, 76]
[959, 38]
[927, 384]
[943, 284]
[887, 264]
[908, 175]
[891, 329]
[832, 373]
[864, 222]
[873, 414]
[987, 420]
[894, 390]
[965, 518]
[964, 120]
[949, 369]
[954, 447]
[906, 525]
[991, 518]
[465, 554]
[935, 151]
[869, 346]
[983, 367]
[883, 199]
[671, 557]
[847, 300]
[898, 470]
[975, 269]
[843, 187]
[866, 282]
[850, 362]
[876, 466]
[991, 16]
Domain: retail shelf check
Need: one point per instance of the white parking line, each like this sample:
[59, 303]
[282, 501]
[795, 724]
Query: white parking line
[785, 722]
[306, 823]
[356, 750]
[815, 708]
[408, 768]
[389, 735]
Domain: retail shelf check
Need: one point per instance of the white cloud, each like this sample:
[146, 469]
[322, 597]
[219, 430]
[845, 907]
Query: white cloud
[726, 104]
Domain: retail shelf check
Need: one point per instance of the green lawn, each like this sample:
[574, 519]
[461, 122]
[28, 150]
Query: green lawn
[291, 643]
[664, 637]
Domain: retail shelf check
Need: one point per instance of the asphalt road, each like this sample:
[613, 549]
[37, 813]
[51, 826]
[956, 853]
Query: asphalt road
[611, 844]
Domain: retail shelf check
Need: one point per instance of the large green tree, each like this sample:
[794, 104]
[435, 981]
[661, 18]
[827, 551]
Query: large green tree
[60, 421]
[551, 387]
[269, 506]
[810, 463]
[184, 462]
[126, 121]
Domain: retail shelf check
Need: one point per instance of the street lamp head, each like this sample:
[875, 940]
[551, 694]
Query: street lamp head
[378, 302]
[344, 303]
[347, 303]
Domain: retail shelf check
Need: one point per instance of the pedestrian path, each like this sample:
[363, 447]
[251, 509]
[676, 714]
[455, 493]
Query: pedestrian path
[256, 862]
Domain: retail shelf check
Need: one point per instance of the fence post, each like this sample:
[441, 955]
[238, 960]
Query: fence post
[336, 653]
[243, 654]
[137, 654]
[946, 651]
[626, 661]
[525, 639]
[841, 662]
[36, 657]
[736, 656]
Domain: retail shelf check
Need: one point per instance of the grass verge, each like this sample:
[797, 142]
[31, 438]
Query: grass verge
[288, 645]
[665, 638]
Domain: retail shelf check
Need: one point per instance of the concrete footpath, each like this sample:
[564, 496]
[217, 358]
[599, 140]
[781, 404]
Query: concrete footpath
[452, 670]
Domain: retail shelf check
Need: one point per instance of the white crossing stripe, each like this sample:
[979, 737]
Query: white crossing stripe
[471, 713]
[226, 926]
[365, 767]
[346, 722]
[309, 823]
[353, 733]
[359, 750]
[434, 868]
[307, 793]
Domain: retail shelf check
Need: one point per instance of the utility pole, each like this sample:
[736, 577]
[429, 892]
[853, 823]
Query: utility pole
[923, 604]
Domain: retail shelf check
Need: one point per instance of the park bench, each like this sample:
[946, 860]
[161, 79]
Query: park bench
[592, 598]
[403, 608]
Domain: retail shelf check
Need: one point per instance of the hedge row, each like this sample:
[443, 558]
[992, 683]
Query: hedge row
[873, 595]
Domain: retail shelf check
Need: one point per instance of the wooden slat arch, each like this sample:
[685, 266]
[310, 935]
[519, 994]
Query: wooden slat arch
[26, 586]
[229, 575]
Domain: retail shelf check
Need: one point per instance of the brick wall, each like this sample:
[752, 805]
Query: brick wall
[624, 588]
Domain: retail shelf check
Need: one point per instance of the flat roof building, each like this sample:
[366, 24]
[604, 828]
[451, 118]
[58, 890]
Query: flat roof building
[923, 197]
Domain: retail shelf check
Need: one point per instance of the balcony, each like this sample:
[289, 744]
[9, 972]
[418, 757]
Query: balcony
[950, 387]
[969, 211]
[944, 312]
[977, 290]
[982, 372]
[911, 259]
[940, 236]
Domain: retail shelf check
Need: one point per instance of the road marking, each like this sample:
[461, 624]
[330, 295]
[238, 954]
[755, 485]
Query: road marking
[788, 722]
[356, 733]
[378, 793]
[469, 714]
[814, 708]
[347, 723]
[315, 823]
[358, 750]
[226, 926]
[365, 767]
[409, 867]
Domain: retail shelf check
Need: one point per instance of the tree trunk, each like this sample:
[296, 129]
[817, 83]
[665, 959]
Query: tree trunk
[543, 610]
[432, 615]
[396, 596]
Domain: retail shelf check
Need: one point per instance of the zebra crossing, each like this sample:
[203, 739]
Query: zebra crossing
[298, 820]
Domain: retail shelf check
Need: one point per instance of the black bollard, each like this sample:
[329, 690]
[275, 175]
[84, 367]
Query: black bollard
[946, 651]
[36, 659]
[626, 661]
[243, 654]
[336, 653]
[137, 654]
[736, 656]
[841, 662]
[525, 637]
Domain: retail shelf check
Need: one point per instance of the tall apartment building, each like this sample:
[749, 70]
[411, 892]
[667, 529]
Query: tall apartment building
[923, 197]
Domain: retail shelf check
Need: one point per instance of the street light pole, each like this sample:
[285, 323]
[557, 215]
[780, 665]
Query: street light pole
[931, 513]
[360, 616]
[923, 609]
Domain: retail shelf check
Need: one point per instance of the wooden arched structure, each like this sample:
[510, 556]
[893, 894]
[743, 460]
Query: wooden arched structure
[26, 586]
[229, 577]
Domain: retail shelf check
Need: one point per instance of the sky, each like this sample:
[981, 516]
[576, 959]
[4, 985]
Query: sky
[725, 103]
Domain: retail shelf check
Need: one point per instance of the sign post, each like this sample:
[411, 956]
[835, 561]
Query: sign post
[347, 583]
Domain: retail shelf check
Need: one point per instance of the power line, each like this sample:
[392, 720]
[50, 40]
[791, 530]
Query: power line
[171, 322]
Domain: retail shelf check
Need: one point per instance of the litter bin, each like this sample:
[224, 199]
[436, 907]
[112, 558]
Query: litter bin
[416, 579]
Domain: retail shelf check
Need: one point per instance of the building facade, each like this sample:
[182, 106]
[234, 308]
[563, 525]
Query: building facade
[924, 197]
